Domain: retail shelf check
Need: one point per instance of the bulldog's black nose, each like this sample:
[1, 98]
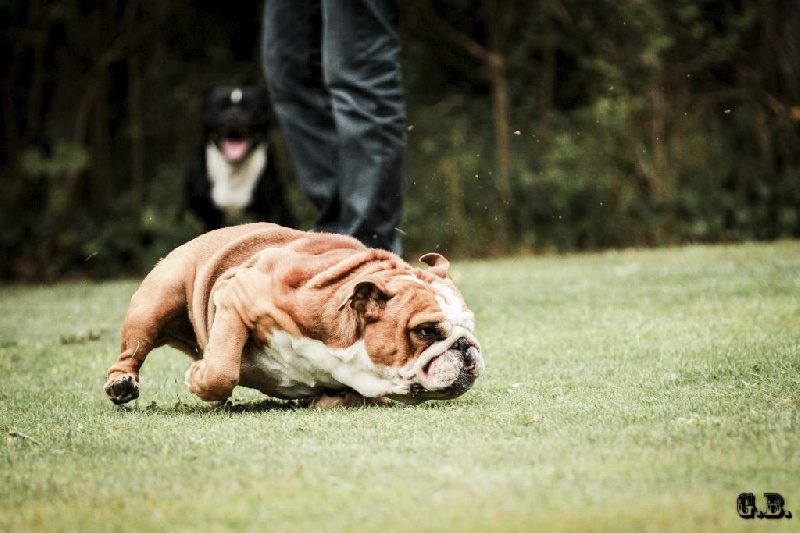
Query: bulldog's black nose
[463, 346]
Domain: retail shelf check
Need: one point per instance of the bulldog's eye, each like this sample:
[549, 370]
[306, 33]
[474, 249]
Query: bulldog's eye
[428, 332]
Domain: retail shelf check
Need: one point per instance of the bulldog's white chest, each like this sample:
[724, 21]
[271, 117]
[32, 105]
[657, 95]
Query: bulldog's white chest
[292, 368]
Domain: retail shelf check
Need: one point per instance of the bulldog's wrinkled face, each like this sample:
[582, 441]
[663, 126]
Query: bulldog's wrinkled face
[419, 329]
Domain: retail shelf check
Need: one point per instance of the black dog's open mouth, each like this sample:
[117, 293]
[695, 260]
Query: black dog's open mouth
[234, 143]
[234, 150]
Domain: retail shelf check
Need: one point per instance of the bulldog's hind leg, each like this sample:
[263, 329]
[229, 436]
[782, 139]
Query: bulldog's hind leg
[122, 389]
[122, 383]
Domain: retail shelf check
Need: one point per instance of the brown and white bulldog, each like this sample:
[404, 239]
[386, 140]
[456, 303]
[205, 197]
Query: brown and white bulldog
[299, 315]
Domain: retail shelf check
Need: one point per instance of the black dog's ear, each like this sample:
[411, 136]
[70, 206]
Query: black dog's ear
[437, 263]
[367, 295]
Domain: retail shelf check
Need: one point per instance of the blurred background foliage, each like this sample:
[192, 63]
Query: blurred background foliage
[534, 127]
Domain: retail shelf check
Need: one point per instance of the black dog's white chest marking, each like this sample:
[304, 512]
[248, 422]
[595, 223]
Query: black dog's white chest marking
[232, 186]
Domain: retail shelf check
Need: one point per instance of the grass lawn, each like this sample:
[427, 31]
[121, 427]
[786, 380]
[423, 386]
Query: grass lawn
[636, 390]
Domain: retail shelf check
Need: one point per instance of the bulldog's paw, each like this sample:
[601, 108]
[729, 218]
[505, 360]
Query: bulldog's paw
[343, 399]
[122, 389]
[212, 387]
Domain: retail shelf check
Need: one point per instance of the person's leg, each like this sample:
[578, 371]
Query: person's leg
[292, 59]
[361, 67]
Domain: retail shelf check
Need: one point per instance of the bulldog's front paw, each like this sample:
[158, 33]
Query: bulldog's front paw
[122, 389]
[208, 385]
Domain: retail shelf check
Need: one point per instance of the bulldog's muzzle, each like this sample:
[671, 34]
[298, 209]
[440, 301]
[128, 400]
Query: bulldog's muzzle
[447, 375]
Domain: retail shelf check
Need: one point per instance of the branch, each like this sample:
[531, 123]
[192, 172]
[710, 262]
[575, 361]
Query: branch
[457, 37]
[23, 436]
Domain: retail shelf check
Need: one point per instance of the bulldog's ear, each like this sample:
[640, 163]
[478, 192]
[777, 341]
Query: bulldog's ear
[437, 263]
[365, 294]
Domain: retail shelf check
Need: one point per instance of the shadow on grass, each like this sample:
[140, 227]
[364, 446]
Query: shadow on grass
[269, 405]
[181, 408]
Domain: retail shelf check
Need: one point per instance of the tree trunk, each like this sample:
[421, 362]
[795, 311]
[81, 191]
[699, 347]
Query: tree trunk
[137, 134]
[17, 138]
[547, 77]
[101, 191]
[135, 108]
[502, 139]
[763, 130]
[660, 180]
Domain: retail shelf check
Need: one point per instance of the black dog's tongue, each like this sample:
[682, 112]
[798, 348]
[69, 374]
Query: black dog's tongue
[234, 150]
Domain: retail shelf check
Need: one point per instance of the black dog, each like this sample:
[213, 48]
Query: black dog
[233, 177]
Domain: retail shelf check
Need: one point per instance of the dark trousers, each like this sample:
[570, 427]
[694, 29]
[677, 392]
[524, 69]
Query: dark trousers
[333, 67]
